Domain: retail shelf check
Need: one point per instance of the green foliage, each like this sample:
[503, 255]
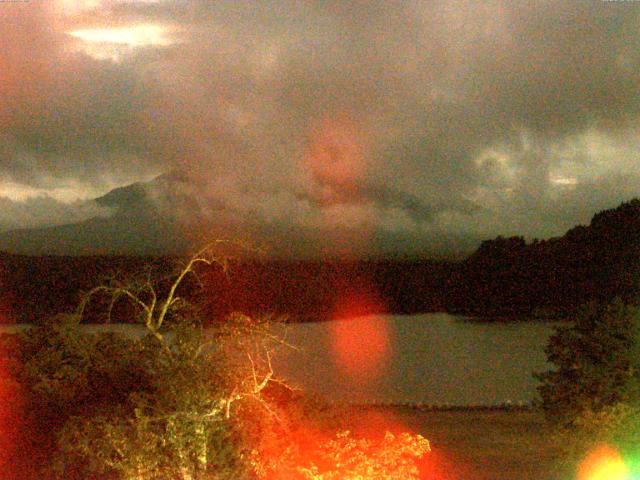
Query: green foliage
[71, 370]
[596, 361]
[177, 428]
[61, 373]
[161, 406]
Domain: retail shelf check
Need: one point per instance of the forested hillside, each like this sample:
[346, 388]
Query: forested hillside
[595, 262]
[35, 287]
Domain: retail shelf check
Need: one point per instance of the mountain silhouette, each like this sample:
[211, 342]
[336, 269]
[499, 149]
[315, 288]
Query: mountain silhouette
[145, 218]
[175, 212]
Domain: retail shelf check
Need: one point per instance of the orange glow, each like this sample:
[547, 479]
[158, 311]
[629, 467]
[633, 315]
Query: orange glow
[603, 463]
[9, 420]
[359, 448]
[25, 67]
[361, 346]
[10, 394]
[336, 155]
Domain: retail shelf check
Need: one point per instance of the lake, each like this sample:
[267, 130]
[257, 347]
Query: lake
[435, 359]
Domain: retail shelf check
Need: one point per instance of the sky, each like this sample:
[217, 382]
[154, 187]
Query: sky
[418, 122]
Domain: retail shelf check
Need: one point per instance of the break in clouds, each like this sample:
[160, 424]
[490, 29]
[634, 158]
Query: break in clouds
[410, 121]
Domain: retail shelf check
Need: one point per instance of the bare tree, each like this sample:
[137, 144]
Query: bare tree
[198, 375]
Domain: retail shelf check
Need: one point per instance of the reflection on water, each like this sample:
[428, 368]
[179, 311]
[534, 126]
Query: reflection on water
[435, 359]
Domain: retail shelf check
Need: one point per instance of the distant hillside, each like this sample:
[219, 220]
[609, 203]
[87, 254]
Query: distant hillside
[140, 224]
[171, 213]
[507, 276]
[35, 287]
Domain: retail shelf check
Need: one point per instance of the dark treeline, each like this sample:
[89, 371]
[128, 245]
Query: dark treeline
[551, 278]
[35, 287]
[504, 277]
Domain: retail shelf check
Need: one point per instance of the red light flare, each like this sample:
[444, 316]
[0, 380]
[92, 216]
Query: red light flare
[361, 346]
[282, 437]
[336, 155]
[603, 463]
[11, 418]
[11, 422]
[335, 166]
[307, 440]
[336, 159]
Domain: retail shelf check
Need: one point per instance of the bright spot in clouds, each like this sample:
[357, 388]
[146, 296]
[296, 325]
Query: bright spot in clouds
[113, 42]
[564, 181]
[136, 35]
[18, 192]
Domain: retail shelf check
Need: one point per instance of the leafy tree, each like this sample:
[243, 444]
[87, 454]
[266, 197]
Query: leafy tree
[60, 372]
[597, 364]
[160, 406]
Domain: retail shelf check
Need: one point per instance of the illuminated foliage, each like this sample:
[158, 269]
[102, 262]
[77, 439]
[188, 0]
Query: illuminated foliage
[347, 458]
[178, 427]
[156, 407]
[311, 454]
[592, 397]
[596, 363]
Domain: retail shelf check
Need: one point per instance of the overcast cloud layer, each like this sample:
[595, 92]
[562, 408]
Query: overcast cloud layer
[405, 120]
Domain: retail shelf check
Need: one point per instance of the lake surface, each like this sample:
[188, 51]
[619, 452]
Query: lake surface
[435, 359]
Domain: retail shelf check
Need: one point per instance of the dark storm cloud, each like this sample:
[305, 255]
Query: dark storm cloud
[86, 127]
[455, 109]
[65, 115]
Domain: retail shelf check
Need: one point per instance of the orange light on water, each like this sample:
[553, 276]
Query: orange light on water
[603, 463]
[361, 346]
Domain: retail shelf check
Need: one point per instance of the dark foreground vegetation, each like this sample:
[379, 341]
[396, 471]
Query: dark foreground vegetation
[505, 277]
[591, 397]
